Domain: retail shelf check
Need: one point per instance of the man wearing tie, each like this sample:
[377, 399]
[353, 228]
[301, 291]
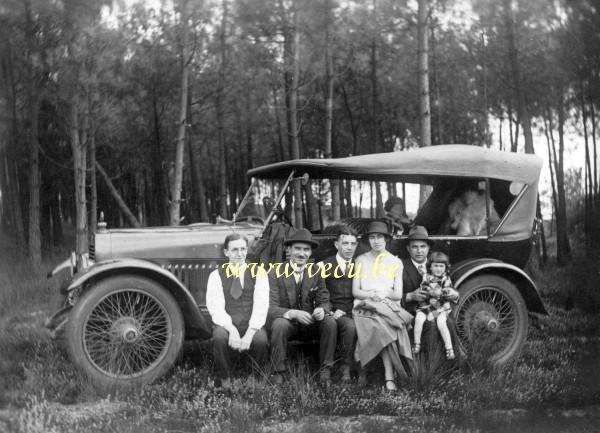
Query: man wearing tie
[414, 268]
[338, 270]
[415, 265]
[238, 304]
[300, 308]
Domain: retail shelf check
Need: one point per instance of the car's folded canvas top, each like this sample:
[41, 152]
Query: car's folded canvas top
[415, 165]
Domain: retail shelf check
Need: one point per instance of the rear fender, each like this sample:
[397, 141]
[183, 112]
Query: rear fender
[194, 320]
[462, 271]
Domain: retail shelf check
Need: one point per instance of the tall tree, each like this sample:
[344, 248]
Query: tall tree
[513, 56]
[176, 185]
[329, 78]
[33, 105]
[423, 54]
[219, 102]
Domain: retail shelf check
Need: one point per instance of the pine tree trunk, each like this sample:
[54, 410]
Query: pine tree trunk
[563, 249]
[280, 143]
[12, 200]
[353, 127]
[79, 168]
[220, 118]
[436, 84]
[335, 185]
[159, 198]
[513, 57]
[374, 85]
[177, 180]
[292, 72]
[93, 181]
[34, 243]
[551, 161]
[423, 54]
[348, 191]
[424, 102]
[588, 181]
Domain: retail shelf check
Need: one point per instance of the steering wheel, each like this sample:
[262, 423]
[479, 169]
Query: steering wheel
[250, 218]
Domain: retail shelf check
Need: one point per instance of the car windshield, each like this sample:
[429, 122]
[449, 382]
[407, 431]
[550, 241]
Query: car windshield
[259, 199]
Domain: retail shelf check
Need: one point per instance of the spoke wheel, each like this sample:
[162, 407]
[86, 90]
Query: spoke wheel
[491, 319]
[125, 331]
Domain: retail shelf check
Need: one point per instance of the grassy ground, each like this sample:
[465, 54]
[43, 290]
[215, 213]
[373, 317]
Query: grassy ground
[553, 386]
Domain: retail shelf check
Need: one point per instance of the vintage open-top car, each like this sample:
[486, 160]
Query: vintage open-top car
[139, 293]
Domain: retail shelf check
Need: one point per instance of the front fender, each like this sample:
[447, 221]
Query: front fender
[468, 268]
[194, 320]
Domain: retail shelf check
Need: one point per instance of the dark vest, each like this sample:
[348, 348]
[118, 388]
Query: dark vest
[340, 289]
[239, 309]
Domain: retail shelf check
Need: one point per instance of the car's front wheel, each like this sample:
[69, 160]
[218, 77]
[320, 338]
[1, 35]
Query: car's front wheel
[491, 319]
[125, 332]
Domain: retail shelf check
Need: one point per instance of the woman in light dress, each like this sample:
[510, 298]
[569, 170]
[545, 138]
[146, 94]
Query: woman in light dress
[381, 322]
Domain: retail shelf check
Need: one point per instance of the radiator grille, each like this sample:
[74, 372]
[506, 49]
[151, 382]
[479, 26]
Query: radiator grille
[194, 276]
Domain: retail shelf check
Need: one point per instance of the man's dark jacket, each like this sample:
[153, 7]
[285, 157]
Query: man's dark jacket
[285, 295]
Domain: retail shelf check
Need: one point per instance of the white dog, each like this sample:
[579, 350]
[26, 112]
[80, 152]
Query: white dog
[467, 214]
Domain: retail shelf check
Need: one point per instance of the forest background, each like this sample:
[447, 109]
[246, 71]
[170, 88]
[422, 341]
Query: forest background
[152, 112]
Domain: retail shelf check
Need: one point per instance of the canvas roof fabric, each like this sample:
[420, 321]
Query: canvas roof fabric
[414, 165]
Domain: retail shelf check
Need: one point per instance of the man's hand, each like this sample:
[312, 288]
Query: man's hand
[338, 313]
[302, 317]
[234, 339]
[318, 314]
[246, 340]
[418, 295]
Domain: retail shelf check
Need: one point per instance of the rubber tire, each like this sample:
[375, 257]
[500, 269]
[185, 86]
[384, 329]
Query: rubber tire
[84, 307]
[509, 290]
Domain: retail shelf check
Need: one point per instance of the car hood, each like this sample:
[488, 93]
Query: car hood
[194, 241]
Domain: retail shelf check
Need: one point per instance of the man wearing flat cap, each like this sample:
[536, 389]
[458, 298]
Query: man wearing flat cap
[300, 308]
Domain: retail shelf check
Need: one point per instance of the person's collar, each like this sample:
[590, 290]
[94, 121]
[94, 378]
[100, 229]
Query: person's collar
[296, 267]
[238, 267]
[385, 252]
[341, 260]
[417, 264]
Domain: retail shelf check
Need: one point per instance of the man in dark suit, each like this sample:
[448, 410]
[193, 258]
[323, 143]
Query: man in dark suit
[336, 270]
[414, 267]
[299, 307]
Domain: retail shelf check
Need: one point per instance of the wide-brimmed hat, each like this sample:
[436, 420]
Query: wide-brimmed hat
[378, 227]
[418, 233]
[301, 235]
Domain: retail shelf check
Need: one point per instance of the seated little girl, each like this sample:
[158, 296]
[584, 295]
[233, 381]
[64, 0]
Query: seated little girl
[436, 307]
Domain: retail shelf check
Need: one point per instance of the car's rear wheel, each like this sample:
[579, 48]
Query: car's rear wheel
[125, 332]
[491, 319]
